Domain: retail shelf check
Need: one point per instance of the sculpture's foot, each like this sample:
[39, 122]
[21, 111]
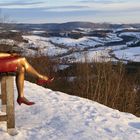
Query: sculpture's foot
[43, 82]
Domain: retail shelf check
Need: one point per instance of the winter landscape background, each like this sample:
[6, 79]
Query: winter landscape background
[75, 51]
[91, 60]
[70, 42]
[92, 48]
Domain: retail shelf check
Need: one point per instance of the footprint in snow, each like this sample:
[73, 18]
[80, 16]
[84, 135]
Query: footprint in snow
[135, 125]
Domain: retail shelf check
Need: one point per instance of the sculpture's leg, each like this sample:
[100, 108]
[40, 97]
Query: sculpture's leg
[10, 106]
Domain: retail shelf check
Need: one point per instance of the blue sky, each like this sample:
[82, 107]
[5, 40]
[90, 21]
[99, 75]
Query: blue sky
[59, 11]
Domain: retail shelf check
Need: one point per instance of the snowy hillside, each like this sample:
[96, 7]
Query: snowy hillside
[58, 116]
[73, 50]
[68, 46]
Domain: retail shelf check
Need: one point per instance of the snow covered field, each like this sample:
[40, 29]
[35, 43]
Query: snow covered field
[90, 56]
[51, 47]
[133, 34]
[80, 43]
[132, 54]
[58, 116]
[44, 46]
[67, 49]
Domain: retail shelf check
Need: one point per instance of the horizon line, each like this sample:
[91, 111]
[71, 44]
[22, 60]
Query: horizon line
[71, 22]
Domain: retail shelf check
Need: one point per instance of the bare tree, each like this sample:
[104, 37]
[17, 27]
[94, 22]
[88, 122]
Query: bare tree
[5, 22]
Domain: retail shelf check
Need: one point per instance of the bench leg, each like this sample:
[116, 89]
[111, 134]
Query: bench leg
[10, 106]
[3, 93]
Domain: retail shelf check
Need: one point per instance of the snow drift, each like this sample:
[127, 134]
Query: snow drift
[58, 116]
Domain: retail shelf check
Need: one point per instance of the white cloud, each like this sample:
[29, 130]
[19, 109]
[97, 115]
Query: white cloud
[66, 8]
[21, 4]
[101, 1]
[114, 6]
[98, 5]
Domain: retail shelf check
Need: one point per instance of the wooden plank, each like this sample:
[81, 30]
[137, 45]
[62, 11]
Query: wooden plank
[3, 118]
[3, 93]
[3, 108]
[10, 102]
[3, 90]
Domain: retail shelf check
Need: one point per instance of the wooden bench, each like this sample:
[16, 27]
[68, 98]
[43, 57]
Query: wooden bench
[7, 101]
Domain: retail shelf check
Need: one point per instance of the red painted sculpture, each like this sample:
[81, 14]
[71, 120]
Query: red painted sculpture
[15, 63]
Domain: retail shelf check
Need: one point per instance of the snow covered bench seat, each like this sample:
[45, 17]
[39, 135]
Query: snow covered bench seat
[7, 112]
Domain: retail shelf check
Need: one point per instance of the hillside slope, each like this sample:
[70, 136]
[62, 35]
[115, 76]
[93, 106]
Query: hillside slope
[58, 116]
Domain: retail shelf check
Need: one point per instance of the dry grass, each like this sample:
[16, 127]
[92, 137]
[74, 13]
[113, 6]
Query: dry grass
[106, 83]
[109, 84]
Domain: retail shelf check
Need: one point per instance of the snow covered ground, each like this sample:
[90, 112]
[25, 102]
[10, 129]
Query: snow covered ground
[80, 43]
[52, 47]
[73, 50]
[90, 56]
[85, 41]
[133, 34]
[44, 45]
[132, 54]
[8, 42]
[58, 116]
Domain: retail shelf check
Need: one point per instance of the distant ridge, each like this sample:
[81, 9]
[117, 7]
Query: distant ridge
[72, 25]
